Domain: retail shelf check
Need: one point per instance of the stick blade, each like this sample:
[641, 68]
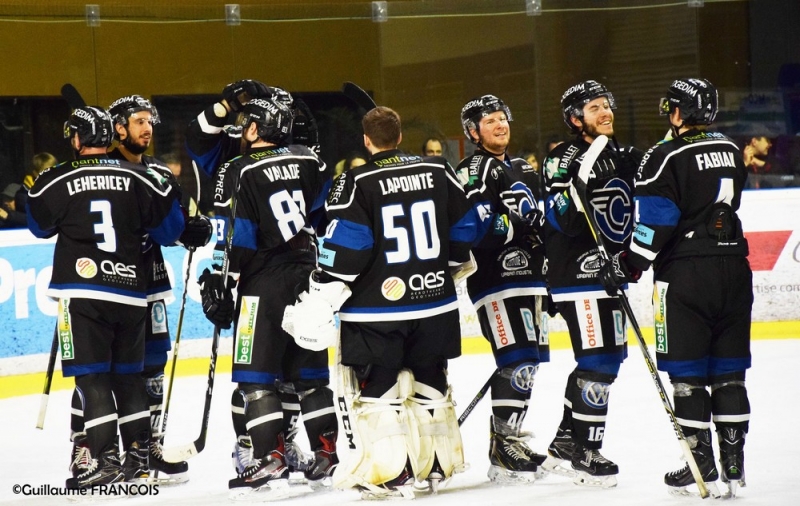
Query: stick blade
[181, 453]
[360, 97]
[597, 147]
[42, 411]
[72, 96]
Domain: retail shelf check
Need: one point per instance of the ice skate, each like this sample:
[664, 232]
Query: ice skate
[319, 471]
[704, 457]
[175, 472]
[401, 487]
[103, 470]
[593, 469]
[81, 456]
[511, 460]
[135, 463]
[731, 459]
[267, 477]
[559, 454]
[242, 454]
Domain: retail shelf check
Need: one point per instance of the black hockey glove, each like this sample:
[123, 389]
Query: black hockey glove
[196, 233]
[239, 93]
[304, 128]
[629, 159]
[529, 227]
[217, 298]
[616, 272]
[605, 166]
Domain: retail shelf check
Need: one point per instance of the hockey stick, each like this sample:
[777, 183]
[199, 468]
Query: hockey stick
[48, 380]
[71, 95]
[481, 393]
[589, 159]
[187, 451]
[344, 395]
[360, 97]
[165, 414]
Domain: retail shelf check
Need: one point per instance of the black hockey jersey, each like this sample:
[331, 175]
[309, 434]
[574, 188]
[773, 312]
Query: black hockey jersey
[278, 191]
[687, 193]
[572, 254]
[396, 226]
[507, 267]
[101, 209]
[159, 286]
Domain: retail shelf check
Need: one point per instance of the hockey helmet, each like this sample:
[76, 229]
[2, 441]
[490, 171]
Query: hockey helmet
[272, 116]
[478, 108]
[697, 99]
[122, 108]
[93, 126]
[573, 100]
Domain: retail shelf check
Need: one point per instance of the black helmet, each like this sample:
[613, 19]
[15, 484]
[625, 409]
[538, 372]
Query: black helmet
[122, 108]
[93, 125]
[696, 98]
[273, 117]
[477, 108]
[573, 100]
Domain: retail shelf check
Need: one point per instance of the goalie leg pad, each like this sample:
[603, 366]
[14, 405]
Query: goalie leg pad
[439, 434]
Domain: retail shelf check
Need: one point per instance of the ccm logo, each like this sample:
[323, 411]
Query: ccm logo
[119, 269]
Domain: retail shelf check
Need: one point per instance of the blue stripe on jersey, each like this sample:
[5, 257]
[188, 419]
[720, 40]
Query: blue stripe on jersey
[158, 358]
[684, 368]
[36, 230]
[483, 216]
[517, 357]
[466, 228]
[553, 204]
[79, 370]
[170, 229]
[315, 374]
[398, 309]
[263, 378]
[607, 363]
[351, 235]
[208, 161]
[128, 367]
[659, 211]
[719, 366]
[323, 195]
[96, 288]
[157, 345]
[245, 234]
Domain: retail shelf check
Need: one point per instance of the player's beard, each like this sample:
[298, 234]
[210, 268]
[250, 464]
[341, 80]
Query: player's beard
[133, 147]
[593, 131]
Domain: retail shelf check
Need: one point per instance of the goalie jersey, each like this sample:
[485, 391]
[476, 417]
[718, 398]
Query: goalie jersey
[277, 190]
[101, 209]
[397, 225]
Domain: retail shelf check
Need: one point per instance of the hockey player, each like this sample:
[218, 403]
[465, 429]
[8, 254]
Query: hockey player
[266, 196]
[595, 320]
[101, 208]
[687, 193]
[508, 287]
[397, 224]
[213, 138]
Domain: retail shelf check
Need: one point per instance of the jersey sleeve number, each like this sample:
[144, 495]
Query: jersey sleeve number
[423, 232]
[106, 225]
[287, 210]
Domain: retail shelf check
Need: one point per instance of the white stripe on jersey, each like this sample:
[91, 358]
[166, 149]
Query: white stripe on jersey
[589, 293]
[96, 295]
[73, 173]
[397, 316]
[688, 146]
[206, 127]
[510, 292]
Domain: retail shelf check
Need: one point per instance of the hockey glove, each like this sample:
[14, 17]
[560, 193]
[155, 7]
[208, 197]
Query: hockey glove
[196, 233]
[616, 272]
[604, 167]
[239, 93]
[217, 297]
[304, 128]
[312, 320]
[629, 159]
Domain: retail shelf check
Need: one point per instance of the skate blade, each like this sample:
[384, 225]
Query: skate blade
[588, 480]
[103, 493]
[274, 490]
[405, 492]
[508, 477]
[169, 480]
[558, 467]
[732, 487]
[713, 491]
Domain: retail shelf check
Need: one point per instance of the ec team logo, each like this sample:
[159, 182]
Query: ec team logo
[613, 210]
[393, 288]
[86, 268]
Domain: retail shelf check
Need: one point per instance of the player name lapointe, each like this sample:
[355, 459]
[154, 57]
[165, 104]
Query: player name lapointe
[100, 182]
[406, 183]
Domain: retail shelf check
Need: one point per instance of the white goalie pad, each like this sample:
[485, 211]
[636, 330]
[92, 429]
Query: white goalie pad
[460, 272]
[439, 433]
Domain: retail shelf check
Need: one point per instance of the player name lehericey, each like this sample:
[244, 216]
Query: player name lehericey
[406, 183]
[101, 182]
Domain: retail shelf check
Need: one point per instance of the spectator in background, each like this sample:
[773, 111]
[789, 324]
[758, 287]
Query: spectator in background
[553, 141]
[432, 147]
[9, 216]
[754, 152]
[530, 157]
[354, 159]
[40, 161]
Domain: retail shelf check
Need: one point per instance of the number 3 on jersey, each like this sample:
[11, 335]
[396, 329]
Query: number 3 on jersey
[423, 231]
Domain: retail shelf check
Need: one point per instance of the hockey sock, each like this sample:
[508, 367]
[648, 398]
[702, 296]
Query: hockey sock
[264, 417]
[692, 404]
[290, 403]
[729, 403]
[589, 397]
[99, 412]
[319, 415]
[237, 413]
[76, 413]
[509, 404]
[566, 418]
[153, 377]
[132, 408]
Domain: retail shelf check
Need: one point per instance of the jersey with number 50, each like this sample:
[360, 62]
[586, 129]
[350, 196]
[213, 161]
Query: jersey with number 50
[277, 192]
[101, 210]
[397, 224]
